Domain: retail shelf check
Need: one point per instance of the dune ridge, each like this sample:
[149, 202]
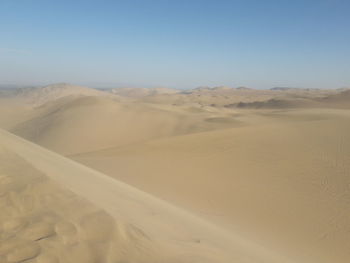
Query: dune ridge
[269, 167]
[141, 92]
[69, 120]
[170, 227]
[43, 222]
[264, 186]
[37, 96]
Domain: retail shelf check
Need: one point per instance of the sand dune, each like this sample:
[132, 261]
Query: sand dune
[106, 121]
[43, 221]
[263, 176]
[37, 96]
[284, 182]
[223, 96]
[141, 92]
[339, 100]
[278, 104]
[65, 125]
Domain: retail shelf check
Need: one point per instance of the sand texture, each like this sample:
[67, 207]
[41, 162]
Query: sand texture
[160, 175]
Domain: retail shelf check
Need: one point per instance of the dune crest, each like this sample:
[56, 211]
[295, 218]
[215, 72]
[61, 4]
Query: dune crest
[141, 92]
[42, 222]
[52, 219]
[251, 175]
[38, 96]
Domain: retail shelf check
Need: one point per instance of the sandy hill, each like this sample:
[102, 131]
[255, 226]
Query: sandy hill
[223, 96]
[7, 91]
[40, 95]
[341, 99]
[210, 97]
[56, 210]
[283, 103]
[66, 124]
[299, 98]
[141, 92]
[282, 181]
[273, 172]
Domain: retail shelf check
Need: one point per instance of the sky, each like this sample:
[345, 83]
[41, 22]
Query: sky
[178, 43]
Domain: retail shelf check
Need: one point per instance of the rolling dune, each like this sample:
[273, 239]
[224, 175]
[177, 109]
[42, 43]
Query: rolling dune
[42, 222]
[65, 125]
[38, 96]
[70, 213]
[232, 175]
[284, 182]
[141, 92]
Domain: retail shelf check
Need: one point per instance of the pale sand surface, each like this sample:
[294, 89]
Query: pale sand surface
[263, 175]
[65, 125]
[42, 221]
[292, 194]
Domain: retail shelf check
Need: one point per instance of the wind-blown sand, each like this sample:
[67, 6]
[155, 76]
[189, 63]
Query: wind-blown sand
[285, 183]
[256, 176]
[44, 221]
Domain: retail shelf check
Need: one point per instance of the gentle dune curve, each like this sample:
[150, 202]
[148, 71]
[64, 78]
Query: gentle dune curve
[175, 234]
[283, 181]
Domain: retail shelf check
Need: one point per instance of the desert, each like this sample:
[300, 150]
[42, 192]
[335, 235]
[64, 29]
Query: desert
[153, 131]
[186, 176]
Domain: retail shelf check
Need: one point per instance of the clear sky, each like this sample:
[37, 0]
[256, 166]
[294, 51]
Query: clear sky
[178, 43]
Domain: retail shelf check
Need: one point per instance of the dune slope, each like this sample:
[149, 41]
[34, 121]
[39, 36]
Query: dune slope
[274, 172]
[67, 124]
[38, 96]
[283, 182]
[44, 219]
[43, 222]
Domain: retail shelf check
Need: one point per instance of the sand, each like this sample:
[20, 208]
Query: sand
[42, 222]
[285, 183]
[70, 213]
[206, 175]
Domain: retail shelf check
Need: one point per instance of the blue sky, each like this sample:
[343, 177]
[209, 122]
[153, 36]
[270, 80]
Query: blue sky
[181, 44]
